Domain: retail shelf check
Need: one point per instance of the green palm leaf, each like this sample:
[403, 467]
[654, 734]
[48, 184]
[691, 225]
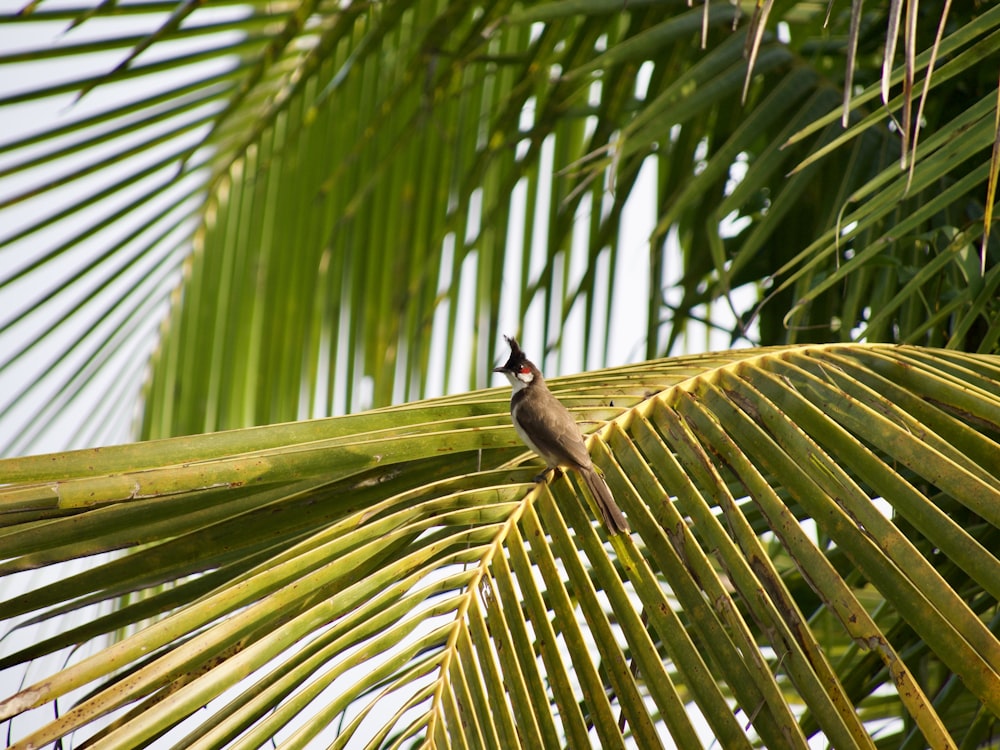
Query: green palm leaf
[270, 212]
[811, 555]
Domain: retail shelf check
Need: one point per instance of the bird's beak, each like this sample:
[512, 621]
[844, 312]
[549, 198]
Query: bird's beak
[499, 369]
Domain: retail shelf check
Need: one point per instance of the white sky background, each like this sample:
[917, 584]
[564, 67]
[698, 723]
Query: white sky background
[92, 320]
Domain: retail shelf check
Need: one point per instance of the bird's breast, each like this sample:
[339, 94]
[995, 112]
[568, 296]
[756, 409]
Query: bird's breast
[515, 407]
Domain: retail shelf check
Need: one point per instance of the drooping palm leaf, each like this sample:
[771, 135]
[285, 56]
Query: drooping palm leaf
[812, 554]
[301, 209]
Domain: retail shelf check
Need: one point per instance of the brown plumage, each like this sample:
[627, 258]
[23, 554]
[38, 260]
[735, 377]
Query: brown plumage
[547, 427]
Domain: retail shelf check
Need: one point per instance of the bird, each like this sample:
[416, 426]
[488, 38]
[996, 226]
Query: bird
[547, 427]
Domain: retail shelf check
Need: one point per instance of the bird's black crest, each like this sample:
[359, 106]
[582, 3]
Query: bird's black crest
[517, 357]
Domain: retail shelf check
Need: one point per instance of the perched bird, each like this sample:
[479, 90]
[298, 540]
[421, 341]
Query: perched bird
[547, 427]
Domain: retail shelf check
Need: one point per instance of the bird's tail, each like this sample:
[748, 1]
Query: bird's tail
[611, 514]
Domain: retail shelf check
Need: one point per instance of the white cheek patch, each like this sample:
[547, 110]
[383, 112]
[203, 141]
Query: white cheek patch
[525, 377]
[516, 383]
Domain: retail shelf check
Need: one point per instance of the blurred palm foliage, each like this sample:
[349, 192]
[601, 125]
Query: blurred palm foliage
[226, 215]
[272, 211]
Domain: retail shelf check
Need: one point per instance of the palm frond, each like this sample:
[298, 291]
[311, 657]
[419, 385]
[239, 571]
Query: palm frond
[811, 557]
[336, 200]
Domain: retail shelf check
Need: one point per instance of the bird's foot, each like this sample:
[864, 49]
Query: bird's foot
[555, 473]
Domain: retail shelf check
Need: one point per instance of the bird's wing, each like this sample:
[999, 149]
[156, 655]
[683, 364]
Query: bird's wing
[554, 431]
